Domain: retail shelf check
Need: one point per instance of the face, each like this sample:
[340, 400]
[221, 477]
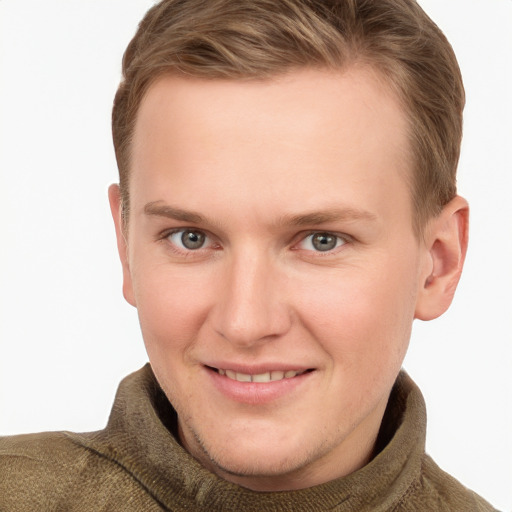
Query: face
[272, 260]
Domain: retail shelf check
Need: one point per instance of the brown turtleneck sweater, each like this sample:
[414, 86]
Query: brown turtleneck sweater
[136, 464]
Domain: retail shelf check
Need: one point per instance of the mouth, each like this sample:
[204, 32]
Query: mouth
[265, 377]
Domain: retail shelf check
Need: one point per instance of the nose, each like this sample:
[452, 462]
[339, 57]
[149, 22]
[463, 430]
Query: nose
[251, 307]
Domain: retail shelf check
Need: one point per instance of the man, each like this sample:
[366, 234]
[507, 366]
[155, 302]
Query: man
[286, 208]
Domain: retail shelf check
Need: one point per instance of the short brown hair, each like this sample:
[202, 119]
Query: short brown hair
[258, 39]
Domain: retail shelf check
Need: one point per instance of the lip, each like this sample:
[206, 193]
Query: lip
[257, 393]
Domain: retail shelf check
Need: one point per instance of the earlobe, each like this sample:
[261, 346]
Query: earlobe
[446, 240]
[114, 196]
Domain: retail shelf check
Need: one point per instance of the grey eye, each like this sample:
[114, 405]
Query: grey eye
[322, 242]
[188, 239]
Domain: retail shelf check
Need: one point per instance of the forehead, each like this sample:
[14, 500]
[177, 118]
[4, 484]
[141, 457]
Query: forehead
[296, 98]
[305, 131]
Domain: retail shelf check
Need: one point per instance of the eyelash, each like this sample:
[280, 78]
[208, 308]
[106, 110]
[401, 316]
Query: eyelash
[166, 237]
[342, 240]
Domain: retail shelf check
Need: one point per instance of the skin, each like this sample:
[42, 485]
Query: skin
[257, 167]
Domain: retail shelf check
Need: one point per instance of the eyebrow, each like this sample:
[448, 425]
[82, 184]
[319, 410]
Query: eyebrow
[163, 210]
[156, 208]
[329, 215]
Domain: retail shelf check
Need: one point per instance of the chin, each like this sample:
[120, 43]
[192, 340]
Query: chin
[257, 461]
[262, 471]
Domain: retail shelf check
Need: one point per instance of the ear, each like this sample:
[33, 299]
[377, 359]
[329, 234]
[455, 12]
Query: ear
[114, 197]
[446, 241]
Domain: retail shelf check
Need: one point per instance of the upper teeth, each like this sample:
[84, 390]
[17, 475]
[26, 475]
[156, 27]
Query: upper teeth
[261, 377]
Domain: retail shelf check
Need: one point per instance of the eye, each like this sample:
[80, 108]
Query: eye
[322, 242]
[188, 239]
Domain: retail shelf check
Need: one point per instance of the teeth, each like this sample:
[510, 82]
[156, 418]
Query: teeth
[261, 377]
[278, 375]
[243, 377]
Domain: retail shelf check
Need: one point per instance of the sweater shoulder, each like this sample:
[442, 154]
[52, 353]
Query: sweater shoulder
[437, 491]
[55, 471]
[43, 448]
[41, 457]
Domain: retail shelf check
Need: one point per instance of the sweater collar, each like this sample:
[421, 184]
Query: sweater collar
[139, 438]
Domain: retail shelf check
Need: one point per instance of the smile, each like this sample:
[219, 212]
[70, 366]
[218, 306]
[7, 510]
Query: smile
[271, 376]
[259, 384]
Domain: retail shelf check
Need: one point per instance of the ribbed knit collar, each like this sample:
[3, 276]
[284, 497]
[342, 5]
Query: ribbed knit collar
[139, 438]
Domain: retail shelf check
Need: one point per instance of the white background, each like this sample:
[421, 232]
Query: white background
[66, 335]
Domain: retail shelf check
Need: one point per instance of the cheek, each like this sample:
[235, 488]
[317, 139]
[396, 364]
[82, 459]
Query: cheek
[363, 318]
[172, 305]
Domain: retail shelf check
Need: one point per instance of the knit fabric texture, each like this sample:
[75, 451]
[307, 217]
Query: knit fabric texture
[137, 464]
